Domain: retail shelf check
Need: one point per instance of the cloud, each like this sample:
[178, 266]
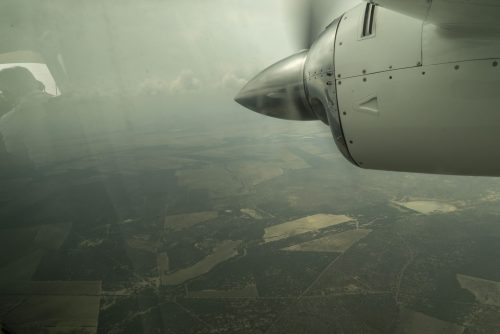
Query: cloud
[154, 86]
[185, 82]
[232, 81]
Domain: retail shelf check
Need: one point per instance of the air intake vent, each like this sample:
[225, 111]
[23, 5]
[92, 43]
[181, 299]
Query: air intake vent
[369, 20]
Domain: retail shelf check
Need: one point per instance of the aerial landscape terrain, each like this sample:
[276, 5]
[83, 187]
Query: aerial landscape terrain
[259, 228]
[137, 197]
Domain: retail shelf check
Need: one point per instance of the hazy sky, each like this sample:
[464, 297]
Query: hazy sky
[219, 44]
[182, 46]
[225, 41]
[200, 52]
[215, 46]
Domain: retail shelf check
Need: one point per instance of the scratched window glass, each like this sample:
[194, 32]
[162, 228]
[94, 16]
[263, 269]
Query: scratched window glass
[144, 189]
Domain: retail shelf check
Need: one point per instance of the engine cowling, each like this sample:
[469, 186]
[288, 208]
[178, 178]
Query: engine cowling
[398, 93]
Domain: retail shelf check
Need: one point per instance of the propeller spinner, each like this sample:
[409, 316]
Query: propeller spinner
[281, 90]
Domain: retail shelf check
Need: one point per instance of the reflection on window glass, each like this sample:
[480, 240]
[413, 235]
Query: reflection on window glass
[41, 72]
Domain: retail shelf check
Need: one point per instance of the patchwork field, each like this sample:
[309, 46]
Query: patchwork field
[412, 322]
[333, 242]
[428, 207]
[184, 221]
[303, 225]
[222, 252]
[485, 291]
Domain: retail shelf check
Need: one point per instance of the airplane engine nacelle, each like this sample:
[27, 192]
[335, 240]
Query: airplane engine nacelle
[414, 97]
[399, 93]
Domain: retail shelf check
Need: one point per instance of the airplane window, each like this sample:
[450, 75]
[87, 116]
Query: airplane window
[138, 194]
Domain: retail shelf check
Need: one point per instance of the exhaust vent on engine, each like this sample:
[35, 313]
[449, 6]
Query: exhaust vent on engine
[369, 21]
